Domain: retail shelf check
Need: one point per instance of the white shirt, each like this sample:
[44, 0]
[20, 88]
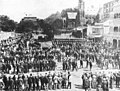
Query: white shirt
[70, 78]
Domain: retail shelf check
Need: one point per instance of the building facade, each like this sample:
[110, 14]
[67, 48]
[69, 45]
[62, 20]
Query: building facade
[108, 8]
[95, 32]
[114, 27]
[71, 20]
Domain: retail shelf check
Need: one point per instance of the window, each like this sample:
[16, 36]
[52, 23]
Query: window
[111, 28]
[119, 15]
[107, 10]
[111, 10]
[118, 43]
[114, 43]
[107, 5]
[114, 16]
[107, 15]
[119, 28]
[115, 29]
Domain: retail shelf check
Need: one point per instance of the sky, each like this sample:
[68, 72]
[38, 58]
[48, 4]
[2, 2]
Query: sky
[17, 9]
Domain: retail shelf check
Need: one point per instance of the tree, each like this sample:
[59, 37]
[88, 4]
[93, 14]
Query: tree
[27, 26]
[55, 21]
[7, 24]
[57, 24]
[52, 18]
[47, 29]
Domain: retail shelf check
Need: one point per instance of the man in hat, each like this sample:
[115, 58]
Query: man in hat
[69, 80]
[86, 83]
[117, 79]
[105, 85]
[30, 81]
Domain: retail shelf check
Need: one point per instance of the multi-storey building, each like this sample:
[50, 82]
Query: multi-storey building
[114, 27]
[108, 8]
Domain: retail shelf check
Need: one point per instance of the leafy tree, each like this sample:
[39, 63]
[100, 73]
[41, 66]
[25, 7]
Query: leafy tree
[52, 18]
[57, 24]
[26, 26]
[55, 21]
[7, 24]
[47, 28]
[29, 26]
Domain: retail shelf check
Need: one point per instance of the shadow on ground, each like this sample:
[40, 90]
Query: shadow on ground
[78, 86]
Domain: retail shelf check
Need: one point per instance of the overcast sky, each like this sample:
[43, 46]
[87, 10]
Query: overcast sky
[17, 9]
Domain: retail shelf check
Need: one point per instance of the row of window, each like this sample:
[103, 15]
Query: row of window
[117, 15]
[108, 10]
[116, 43]
[110, 4]
[106, 16]
[116, 29]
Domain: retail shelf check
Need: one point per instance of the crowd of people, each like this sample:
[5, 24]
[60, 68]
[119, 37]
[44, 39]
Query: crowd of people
[90, 52]
[105, 55]
[23, 54]
[101, 81]
[46, 81]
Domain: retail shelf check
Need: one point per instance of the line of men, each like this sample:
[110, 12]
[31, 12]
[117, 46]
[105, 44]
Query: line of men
[48, 81]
